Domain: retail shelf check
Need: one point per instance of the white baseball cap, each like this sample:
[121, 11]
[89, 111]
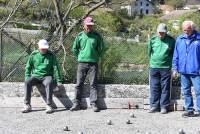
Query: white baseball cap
[43, 44]
[162, 28]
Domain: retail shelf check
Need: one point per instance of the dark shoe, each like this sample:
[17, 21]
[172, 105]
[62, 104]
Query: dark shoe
[27, 108]
[95, 108]
[153, 110]
[75, 107]
[188, 114]
[54, 106]
[163, 111]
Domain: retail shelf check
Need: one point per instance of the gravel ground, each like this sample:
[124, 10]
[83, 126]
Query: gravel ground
[12, 121]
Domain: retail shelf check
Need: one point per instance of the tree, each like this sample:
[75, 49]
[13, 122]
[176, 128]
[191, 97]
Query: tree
[60, 13]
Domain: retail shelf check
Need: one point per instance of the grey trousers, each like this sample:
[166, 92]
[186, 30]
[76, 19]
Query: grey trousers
[82, 71]
[48, 84]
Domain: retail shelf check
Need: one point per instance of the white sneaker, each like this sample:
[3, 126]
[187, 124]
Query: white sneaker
[49, 109]
[27, 108]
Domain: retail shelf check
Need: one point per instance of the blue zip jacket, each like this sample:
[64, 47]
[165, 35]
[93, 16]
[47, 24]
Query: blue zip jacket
[186, 58]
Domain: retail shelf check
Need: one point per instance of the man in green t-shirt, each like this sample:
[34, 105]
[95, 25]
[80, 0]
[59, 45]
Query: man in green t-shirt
[160, 52]
[88, 47]
[41, 68]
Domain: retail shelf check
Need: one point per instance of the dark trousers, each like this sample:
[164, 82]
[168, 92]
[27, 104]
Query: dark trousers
[160, 80]
[83, 70]
[46, 81]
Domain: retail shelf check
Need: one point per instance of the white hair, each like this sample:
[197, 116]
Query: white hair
[189, 22]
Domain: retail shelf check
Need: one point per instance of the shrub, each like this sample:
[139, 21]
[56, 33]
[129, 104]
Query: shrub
[4, 2]
[176, 3]
[3, 12]
[108, 22]
[78, 12]
[26, 26]
[108, 64]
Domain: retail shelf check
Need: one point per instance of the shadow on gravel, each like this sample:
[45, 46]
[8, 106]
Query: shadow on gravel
[60, 93]
[38, 110]
[101, 94]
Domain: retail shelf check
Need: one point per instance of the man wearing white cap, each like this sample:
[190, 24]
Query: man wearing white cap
[160, 52]
[88, 47]
[41, 68]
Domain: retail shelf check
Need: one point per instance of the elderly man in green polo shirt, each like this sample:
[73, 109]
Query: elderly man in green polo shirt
[160, 52]
[41, 68]
[88, 47]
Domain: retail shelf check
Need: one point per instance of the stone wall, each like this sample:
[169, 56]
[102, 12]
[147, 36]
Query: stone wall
[110, 95]
[16, 89]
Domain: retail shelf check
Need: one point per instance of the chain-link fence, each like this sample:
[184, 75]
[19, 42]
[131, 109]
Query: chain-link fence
[124, 62]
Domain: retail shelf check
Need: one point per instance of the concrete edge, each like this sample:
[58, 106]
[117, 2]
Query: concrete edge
[104, 103]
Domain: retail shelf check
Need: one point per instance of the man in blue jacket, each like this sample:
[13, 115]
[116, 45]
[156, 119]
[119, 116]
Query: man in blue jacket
[186, 61]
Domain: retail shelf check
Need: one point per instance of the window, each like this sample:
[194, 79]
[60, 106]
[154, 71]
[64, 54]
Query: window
[147, 11]
[147, 4]
[135, 3]
[140, 3]
[141, 11]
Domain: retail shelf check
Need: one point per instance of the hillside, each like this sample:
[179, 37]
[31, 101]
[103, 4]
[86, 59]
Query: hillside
[193, 2]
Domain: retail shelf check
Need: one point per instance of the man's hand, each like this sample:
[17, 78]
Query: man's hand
[175, 74]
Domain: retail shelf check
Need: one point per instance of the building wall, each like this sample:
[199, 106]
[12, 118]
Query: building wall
[142, 7]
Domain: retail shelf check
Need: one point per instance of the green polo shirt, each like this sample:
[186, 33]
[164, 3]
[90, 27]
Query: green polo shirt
[160, 51]
[41, 65]
[88, 47]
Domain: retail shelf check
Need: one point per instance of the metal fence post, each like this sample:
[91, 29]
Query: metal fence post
[1, 55]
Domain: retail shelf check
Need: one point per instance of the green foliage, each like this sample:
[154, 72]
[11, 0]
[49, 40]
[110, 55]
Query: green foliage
[132, 77]
[134, 53]
[3, 12]
[176, 3]
[3, 2]
[124, 14]
[28, 11]
[70, 66]
[172, 31]
[143, 27]
[46, 4]
[108, 63]
[190, 16]
[26, 26]
[108, 22]
[78, 12]
[195, 17]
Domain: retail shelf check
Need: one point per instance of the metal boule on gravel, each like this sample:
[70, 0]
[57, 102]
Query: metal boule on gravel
[136, 106]
[109, 122]
[181, 131]
[128, 122]
[148, 133]
[80, 132]
[66, 128]
[132, 115]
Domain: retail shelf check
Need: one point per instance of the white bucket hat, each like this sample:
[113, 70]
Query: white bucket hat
[43, 44]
